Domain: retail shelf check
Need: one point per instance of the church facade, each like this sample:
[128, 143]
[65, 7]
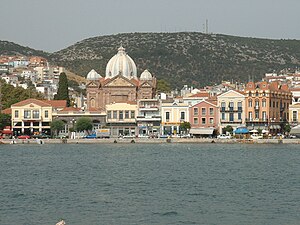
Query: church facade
[120, 84]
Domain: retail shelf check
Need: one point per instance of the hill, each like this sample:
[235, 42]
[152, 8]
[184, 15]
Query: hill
[185, 58]
[11, 48]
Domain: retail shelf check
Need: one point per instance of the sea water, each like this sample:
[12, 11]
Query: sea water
[150, 184]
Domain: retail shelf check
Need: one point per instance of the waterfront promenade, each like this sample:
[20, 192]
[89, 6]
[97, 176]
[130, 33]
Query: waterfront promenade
[150, 141]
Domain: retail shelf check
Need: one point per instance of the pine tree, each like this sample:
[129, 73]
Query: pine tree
[63, 92]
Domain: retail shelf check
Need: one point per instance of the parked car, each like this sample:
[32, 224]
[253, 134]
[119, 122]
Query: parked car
[24, 136]
[223, 136]
[41, 136]
[91, 136]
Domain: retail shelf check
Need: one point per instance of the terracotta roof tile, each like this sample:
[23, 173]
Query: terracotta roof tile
[56, 103]
[70, 109]
[32, 100]
[7, 111]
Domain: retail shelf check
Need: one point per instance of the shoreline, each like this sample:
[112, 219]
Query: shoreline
[150, 141]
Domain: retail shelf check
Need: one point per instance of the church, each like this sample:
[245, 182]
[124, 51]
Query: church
[120, 84]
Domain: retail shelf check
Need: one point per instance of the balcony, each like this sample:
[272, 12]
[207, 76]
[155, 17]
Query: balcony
[231, 109]
[148, 108]
[148, 118]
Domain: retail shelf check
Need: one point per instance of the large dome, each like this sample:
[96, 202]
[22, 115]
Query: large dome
[122, 64]
[93, 75]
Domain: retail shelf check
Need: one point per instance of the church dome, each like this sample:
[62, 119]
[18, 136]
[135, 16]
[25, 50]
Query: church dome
[122, 64]
[146, 75]
[93, 75]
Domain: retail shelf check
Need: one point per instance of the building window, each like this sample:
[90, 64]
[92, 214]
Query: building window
[256, 114]
[182, 115]
[132, 114]
[195, 120]
[167, 116]
[126, 114]
[16, 113]
[46, 113]
[211, 111]
[294, 116]
[93, 103]
[264, 103]
[223, 105]
[115, 114]
[203, 111]
[27, 114]
[250, 116]
[195, 111]
[231, 117]
[108, 114]
[264, 115]
[250, 103]
[239, 116]
[203, 120]
[240, 106]
[223, 116]
[211, 120]
[35, 114]
[231, 106]
[120, 115]
[256, 104]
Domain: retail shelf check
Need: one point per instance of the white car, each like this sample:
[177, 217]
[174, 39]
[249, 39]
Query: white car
[223, 136]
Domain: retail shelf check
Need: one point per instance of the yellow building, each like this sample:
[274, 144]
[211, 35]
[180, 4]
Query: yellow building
[121, 118]
[294, 114]
[173, 114]
[232, 109]
[32, 115]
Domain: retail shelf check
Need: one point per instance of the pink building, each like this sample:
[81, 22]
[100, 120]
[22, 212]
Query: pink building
[204, 118]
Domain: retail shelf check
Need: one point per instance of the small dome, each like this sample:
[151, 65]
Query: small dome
[122, 64]
[146, 75]
[93, 75]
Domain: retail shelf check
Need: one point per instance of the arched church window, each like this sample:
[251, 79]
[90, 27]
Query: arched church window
[93, 103]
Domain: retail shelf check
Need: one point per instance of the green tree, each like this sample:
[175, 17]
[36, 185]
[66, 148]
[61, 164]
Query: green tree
[228, 128]
[56, 126]
[286, 128]
[163, 86]
[84, 124]
[63, 91]
[4, 120]
[185, 126]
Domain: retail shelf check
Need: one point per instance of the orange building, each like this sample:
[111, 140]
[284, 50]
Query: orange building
[267, 105]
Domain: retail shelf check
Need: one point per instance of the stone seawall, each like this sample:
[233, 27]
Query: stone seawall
[149, 141]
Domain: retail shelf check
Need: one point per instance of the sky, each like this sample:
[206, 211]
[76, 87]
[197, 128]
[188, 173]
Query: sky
[51, 25]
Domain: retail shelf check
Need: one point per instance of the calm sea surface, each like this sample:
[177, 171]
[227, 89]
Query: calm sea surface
[150, 184]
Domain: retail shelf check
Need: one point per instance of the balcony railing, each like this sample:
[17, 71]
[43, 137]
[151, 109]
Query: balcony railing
[230, 109]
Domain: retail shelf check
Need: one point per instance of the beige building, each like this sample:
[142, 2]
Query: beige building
[173, 114]
[32, 115]
[232, 109]
[121, 118]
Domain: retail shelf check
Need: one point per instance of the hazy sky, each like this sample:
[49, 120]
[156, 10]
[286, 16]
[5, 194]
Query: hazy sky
[51, 25]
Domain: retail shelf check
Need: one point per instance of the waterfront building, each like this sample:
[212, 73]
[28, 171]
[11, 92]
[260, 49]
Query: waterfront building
[120, 84]
[173, 114]
[148, 117]
[232, 109]
[121, 118]
[195, 98]
[267, 105]
[34, 115]
[204, 118]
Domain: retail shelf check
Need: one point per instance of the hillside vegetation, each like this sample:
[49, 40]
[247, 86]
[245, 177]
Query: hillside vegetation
[184, 58]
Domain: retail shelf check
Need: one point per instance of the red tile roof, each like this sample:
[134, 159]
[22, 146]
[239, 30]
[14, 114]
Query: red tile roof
[57, 103]
[70, 109]
[200, 95]
[7, 111]
[32, 100]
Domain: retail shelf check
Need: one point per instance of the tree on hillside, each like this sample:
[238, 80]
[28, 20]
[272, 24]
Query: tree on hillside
[63, 91]
[84, 124]
[12, 95]
[163, 86]
[56, 126]
[4, 120]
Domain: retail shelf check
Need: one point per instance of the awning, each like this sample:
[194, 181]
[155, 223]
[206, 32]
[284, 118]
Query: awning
[6, 131]
[295, 130]
[241, 130]
[207, 131]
